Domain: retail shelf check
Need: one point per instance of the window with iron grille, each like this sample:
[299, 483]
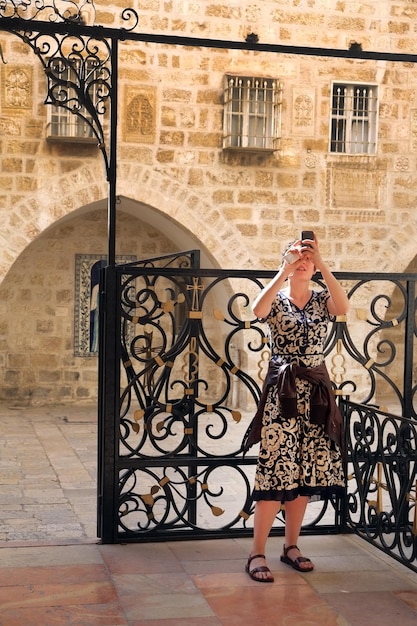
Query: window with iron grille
[252, 114]
[354, 118]
[63, 124]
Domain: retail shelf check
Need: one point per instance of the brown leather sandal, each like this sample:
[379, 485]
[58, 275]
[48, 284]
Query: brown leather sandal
[295, 563]
[257, 570]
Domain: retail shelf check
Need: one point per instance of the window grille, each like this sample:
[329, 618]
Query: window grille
[252, 114]
[354, 119]
[63, 123]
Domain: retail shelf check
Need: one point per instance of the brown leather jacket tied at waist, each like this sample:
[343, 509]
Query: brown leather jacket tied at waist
[323, 407]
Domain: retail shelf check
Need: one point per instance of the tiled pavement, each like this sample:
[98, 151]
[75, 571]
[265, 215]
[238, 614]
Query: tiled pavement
[53, 572]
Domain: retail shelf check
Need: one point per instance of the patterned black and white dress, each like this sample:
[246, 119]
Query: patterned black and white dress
[296, 457]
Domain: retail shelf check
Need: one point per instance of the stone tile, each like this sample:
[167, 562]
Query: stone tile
[152, 584]
[161, 596]
[409, 598]
[327, 545]
[210, 550]
[49, 556]
[356, 563]
[109, 614]
[182, 621]
[162, 606]
[20, 576]
[357, 580]
[139, 558]
[382, 608]
[267, 604]
[56, 594]
[208, 581]
[230, 566]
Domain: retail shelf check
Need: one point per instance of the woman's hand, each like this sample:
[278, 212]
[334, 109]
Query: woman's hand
[338, 303]
[309, 250]
[293, 253]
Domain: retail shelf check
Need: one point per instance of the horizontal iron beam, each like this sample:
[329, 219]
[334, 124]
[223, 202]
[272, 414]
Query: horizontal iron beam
[19, 25]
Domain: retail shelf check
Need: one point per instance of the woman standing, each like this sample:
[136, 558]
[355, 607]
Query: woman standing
[300, 455]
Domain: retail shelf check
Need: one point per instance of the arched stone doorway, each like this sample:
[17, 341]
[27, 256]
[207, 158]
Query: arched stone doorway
[41, 301]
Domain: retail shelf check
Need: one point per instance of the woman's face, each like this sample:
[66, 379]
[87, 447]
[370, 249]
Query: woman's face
[304, 270]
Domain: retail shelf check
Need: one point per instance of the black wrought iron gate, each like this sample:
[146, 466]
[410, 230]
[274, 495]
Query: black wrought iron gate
[189, 363]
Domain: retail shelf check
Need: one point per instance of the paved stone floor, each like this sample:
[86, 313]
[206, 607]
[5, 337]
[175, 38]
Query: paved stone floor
[54, 572]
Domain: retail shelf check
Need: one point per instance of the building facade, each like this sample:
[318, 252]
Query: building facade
[229, 151]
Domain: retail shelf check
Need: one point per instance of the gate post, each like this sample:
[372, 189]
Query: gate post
[108, 405]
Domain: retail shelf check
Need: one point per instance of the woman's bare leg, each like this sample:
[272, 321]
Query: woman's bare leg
[294, 515]
[265, 513]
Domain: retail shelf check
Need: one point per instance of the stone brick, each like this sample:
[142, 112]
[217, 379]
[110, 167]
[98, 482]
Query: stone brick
[165, 156]
[25, 183]
[39, 360]
[83, 393]
[64, 393]
[208, 96]
[176, 95]
[16, 360]
[12, 377]
[106, 18]
[49, 376]
[168, 116]
[12, 165]
[399, 28]
[195, 177]
[175, 138]
[70, 376]
[287, 180]
[264, 179]
[238, 213]
[248, 230]
[204, 140]
[257, 197]
[223, 196]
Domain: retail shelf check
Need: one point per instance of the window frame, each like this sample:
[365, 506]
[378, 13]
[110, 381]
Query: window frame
[63, 124]
[252, 109]
[354, 117]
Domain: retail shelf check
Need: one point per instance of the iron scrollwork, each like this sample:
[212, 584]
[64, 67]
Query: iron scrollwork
[50, 10]
[181, 418]
[78, 74]
[381, 499]
[78, 12]
[76, 60]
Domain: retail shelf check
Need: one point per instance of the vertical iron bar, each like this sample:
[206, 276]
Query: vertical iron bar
[408, 350]
[192, 447]
[109, 385]
[100, 406]
[112, 169]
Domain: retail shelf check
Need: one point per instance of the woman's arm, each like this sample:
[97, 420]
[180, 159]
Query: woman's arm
[338, 303]
[263, 302]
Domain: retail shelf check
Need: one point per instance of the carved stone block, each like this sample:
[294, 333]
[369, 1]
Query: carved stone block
[354, 187]
[17, 87]
[139, 119]
[303, 112]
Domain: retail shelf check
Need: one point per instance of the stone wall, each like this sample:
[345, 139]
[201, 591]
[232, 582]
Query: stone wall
[239, 209]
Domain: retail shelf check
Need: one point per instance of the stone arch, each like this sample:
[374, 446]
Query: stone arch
[164, 195]
[85, 187]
